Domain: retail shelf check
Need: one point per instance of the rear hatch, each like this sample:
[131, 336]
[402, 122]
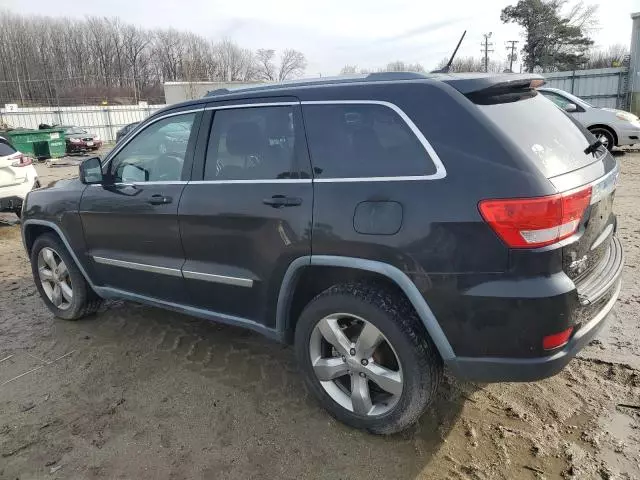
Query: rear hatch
[556, 144]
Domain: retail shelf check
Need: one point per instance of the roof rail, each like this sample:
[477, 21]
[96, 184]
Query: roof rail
[217, 91]
[382, 76]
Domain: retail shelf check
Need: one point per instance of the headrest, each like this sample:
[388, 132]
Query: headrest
[245, 138]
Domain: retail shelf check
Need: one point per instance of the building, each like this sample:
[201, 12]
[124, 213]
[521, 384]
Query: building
[175, 92]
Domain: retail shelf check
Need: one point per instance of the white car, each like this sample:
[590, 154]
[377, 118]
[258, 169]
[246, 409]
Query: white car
[613, 127]
[17, 178]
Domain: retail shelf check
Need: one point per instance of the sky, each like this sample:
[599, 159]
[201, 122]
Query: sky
[333, 33]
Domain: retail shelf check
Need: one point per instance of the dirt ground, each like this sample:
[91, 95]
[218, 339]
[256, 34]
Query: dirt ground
[137, 392]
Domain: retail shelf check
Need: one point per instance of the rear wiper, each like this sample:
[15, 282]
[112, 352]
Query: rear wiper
[593, 148]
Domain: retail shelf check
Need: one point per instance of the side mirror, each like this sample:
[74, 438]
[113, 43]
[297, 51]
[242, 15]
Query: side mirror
[91, 171]
[570, 107]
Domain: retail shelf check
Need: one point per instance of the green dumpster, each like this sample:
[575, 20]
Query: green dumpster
[49, 143]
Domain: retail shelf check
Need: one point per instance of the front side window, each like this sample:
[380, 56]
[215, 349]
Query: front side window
[559, 100]
[256, 143]
[358, 140]
[157, 153]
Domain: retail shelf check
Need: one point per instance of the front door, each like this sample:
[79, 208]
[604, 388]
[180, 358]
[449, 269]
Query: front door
[130, 223]
[249, 215]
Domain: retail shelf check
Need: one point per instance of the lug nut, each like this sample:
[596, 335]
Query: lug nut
[364, 362]
[362, 374]
[352, 351]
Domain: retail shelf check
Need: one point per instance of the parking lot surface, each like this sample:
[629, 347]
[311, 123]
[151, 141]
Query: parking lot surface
[138, 392]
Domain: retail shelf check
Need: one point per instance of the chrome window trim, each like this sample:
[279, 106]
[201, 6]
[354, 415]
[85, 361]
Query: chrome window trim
[440, 172]
[275, 180]
[138, 266]
[210, 277]
[116, 150]
[249, 105]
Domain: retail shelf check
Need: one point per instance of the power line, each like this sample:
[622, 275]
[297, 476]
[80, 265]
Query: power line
[485, 48]
[512, 55]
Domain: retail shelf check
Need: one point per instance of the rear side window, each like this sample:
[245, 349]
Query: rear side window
[6, 149]
[544, 133]
[357, 141]
[257, 143]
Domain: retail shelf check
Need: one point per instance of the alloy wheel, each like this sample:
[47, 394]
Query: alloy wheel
[55, 279]
[355, 364]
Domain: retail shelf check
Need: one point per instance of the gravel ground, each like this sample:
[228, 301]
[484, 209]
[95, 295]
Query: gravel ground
[137, 392]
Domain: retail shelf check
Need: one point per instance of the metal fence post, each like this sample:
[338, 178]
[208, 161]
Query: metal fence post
[573, 81]
[109, 126]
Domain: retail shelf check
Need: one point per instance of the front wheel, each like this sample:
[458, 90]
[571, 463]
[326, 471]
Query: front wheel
[605, 136]
[366, 357]
[60, 283]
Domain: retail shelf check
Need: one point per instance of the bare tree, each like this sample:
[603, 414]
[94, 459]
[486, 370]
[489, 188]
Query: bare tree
[471, 64]
[400, 66]
[349, 70]
[51, 61]
[613, 56]
[265, 68]
[292, 64]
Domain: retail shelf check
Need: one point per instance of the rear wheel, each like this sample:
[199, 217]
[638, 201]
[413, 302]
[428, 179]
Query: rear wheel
[605, 136]
[366, 358]
[62, 286]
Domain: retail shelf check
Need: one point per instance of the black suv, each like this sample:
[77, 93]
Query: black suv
[386, 225]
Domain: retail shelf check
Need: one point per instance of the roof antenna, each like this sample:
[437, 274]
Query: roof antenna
[446, 68]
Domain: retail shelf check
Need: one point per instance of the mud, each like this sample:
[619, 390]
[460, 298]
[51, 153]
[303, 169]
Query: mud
[137, 392]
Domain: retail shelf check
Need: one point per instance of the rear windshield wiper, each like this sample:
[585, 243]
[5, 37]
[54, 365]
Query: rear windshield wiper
[593, 148]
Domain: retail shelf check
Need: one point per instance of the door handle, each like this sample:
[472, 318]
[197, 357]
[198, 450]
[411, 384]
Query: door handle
[158, 199]
[279, 201]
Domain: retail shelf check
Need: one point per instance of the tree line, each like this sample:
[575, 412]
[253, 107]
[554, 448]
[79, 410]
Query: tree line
[65, 61]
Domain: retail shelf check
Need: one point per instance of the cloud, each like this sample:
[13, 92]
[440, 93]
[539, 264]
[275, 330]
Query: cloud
[429, 28]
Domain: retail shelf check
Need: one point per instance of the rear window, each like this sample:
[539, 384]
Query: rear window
[6, 149]
[356, 141]
[544, 132]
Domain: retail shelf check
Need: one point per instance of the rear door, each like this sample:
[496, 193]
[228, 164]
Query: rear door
[248, 214]
[131, 223]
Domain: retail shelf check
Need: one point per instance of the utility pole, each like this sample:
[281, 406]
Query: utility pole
[486, 50]
[512, 55]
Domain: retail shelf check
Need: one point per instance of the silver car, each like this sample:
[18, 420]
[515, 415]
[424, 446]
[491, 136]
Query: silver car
[613, 127]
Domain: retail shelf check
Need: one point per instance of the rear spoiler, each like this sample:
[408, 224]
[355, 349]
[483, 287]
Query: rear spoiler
[490, 89]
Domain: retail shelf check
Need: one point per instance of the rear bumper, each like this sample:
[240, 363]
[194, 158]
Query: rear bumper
[11, 198]
[529, 369]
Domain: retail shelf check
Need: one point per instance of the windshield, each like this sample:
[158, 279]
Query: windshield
[74, 130]
[570, 97]
[543, 132]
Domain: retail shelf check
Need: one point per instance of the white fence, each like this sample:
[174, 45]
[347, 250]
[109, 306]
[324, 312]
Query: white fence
[602, 87]
[103, 120]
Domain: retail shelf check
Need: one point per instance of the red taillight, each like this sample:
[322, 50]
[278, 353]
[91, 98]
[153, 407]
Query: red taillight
[538, 221]
[557, 339]
[22, 162]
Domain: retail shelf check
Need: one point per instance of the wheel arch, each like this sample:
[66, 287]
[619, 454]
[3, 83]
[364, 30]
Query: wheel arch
[609, 128]
[33, 228]
[396, 278]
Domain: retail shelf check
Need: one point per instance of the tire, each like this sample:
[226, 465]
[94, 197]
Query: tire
[84, 300]
[418, 362]
[606, 135]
